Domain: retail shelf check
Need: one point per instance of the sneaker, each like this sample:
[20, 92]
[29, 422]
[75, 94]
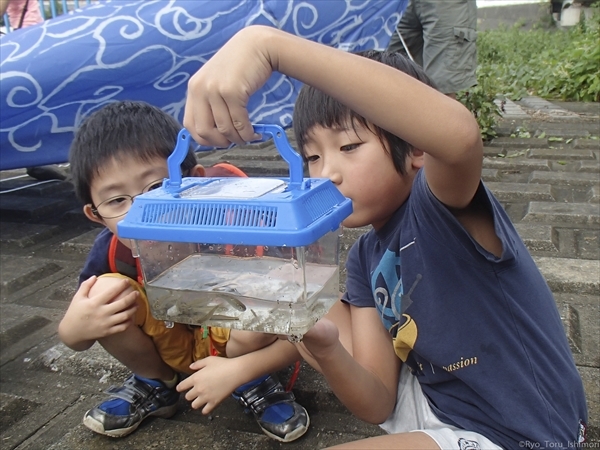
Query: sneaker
[129, 404]
[275, 410]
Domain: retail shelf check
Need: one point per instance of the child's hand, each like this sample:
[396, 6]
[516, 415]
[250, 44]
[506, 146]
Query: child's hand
[100, 308]
[215, 110]
[213, 382]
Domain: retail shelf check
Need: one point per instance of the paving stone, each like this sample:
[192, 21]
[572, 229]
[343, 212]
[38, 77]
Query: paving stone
[594, 194]
[561, 154]
[570, 319]
[592, 144]
[13, 409]
[588, 243]
[553, 130]
[265, 153]
[520, 143]
[547, 107]
[572, 179]
[11, 336]
[75, 214]
[488, 175]
[521, 191]
[492, 152]
[54, 396]
[571, 275]
[80, 244]
[17, 207]
[538, 237]
[587, 310]
[18, 272]
[25, 235]
[524, 165]
[571, 194]
[23, 327]
[589, 166]
[511, 110]
[573, 213]
[95, 363]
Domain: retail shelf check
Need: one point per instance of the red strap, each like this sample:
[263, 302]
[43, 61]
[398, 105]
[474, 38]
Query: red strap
[224, 170]
[112, 254]
[233, 169]
[119, 254]
[294, 377]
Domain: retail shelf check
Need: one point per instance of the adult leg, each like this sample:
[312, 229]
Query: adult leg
[449, 43]
[412, 33]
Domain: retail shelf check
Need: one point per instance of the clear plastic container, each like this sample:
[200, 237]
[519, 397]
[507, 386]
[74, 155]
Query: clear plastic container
[258, 254]
[273, 289]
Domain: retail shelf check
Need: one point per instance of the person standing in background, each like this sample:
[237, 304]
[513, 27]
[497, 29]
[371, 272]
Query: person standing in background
[21, 13]
[441, 37]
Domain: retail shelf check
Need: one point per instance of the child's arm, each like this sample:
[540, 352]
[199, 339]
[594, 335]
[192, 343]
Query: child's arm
[430, 121]
[216, 377]
[90, 318]
[365, 381]
[357, 358]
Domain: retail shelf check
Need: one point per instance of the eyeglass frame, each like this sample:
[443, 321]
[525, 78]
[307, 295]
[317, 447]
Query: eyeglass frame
[95, 209]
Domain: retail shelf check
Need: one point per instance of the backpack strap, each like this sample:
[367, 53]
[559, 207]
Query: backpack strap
[120, 260]
[23, 14]
[224, 169]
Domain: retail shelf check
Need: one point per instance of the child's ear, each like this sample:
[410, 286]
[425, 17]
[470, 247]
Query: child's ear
[416, 158]
[87, 210]
[198, 171]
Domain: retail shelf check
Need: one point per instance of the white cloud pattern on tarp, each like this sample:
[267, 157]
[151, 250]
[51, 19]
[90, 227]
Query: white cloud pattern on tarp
[55, 74]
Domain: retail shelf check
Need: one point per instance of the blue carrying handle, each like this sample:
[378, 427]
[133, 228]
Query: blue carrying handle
[175, 159]
[279, 137]
[286, 151]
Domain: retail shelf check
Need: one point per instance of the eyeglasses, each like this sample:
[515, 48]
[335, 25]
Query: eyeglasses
[119, 205]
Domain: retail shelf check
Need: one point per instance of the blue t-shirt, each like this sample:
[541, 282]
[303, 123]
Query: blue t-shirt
[97, 260]
[482, 334]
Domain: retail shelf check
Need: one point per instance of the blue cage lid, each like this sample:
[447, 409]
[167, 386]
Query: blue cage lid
[292, 211]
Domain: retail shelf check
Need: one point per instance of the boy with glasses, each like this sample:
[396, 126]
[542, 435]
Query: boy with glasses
[118, 153]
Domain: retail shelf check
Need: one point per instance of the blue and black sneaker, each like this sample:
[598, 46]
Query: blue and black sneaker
[275, 410]
[129, 404]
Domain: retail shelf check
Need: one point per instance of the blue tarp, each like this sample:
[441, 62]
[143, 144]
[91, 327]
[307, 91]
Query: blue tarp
[55, 74]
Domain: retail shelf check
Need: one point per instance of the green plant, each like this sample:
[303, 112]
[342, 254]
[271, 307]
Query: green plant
[551, 63]
[480, 100]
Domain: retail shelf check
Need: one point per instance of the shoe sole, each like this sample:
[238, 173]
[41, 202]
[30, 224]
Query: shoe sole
[98, 427]
[290, 437]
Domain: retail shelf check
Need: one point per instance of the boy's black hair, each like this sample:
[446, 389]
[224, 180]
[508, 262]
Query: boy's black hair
[124, 128]
[313, 108]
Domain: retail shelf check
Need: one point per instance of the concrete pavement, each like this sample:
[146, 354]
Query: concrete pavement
[544, 167]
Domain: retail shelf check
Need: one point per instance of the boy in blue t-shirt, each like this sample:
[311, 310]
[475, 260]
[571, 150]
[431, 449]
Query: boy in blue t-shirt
[119, 152]
[447, 335]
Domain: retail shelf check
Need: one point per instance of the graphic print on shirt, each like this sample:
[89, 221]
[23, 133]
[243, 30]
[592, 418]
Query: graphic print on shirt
[468, 445]
[391, 302]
